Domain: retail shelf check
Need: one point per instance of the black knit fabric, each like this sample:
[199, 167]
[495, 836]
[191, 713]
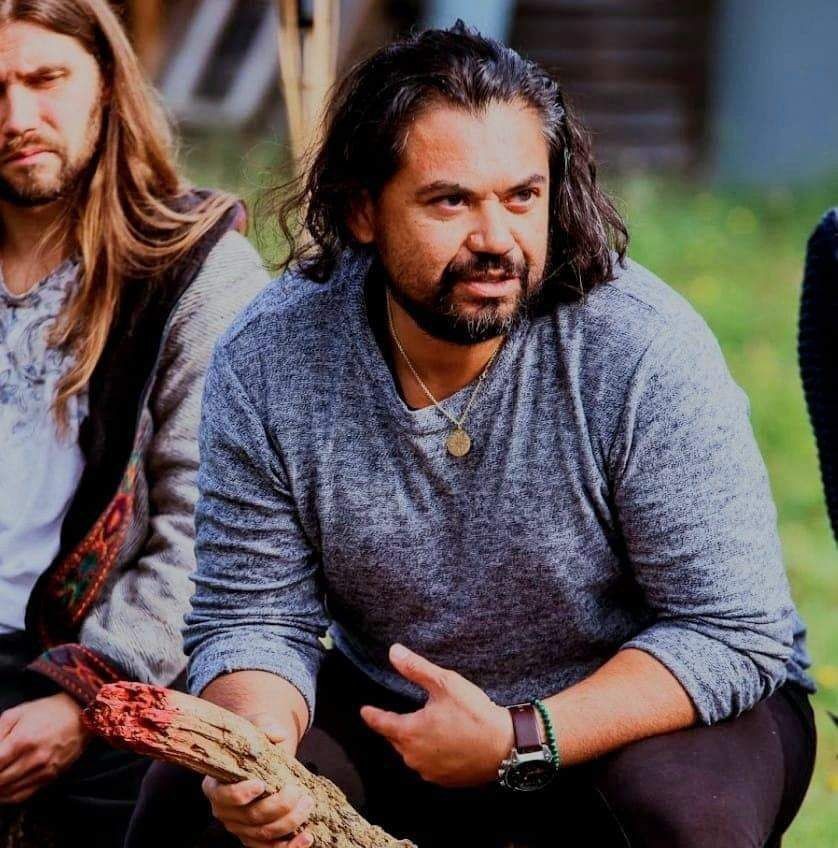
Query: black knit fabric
[818, 351]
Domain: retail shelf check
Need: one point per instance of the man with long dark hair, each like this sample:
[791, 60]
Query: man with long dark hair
[508, 471]
[116, 279]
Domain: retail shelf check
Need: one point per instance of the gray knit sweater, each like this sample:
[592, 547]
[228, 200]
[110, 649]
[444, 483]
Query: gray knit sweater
[137, 620]
[614, 498]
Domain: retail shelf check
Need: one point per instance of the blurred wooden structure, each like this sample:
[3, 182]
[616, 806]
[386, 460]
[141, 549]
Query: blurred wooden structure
[145, 20]
[218, 62]
[308, 54]
[638, 72]
[223, 61]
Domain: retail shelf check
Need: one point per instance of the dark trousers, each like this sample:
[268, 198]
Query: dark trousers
[739, 783]
[90, 804]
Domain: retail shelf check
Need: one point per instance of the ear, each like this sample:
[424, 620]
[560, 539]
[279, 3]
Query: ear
[361, 219]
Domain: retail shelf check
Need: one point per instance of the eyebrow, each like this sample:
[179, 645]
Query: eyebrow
[43, 70]
[444, 187]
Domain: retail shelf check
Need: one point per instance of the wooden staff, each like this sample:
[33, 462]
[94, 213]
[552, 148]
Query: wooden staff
[210, 740]
[307, 62]
[146, 19]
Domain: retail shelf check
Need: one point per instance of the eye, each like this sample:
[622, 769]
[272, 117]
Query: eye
[525, 195]
[450, 201]
[47, 78]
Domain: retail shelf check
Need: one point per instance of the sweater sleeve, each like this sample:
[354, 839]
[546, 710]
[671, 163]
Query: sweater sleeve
[136, 623]
[695, 508]
[258, 604]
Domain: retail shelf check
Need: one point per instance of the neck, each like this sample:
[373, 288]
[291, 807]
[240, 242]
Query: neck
[26, 256]
[444, 367]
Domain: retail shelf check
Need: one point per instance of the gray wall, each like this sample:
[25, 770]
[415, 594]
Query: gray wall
[774, 116]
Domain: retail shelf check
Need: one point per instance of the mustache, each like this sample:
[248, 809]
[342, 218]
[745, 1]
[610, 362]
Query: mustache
[483, 267]
[20, 142]
[487, 267]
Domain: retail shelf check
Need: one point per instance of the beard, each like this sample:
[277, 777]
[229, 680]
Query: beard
[442, 317]
[30, 188]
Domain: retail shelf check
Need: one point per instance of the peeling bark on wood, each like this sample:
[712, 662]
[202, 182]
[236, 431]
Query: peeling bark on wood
[208, 739]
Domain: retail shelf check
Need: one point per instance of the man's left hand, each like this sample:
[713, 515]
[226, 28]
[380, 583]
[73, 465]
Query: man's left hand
[459, 737]
[38, 741]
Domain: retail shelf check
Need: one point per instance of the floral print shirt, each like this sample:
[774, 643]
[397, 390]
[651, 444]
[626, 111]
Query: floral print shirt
[40, 469]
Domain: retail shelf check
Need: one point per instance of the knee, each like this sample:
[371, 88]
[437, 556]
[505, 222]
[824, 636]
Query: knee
[679, 813]
[703, 823]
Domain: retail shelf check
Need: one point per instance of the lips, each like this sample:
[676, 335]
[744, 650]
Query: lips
[26, 155]
[492, 287]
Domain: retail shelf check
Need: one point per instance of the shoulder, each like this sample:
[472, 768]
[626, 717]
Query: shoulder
[827, 227]
[636, 337]
[230, 277]
[643, 304]
[292, 319]
[822, 250]
[620, 321]
[233, 272]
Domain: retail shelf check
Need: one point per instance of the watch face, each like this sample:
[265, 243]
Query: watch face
[529, 776]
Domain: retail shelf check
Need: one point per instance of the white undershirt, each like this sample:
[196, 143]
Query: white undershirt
[39, 470]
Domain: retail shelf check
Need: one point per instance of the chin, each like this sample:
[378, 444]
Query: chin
[496, 309]
[32, 192]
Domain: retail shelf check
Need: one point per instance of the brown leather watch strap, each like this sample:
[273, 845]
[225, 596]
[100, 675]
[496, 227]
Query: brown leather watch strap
[526, 728]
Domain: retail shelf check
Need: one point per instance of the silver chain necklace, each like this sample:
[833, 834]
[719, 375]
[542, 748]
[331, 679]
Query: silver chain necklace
[458, 442]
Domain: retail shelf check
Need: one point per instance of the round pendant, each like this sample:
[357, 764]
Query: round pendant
[458, 442]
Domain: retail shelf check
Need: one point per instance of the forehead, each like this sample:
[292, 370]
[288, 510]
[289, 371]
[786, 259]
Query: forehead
[499, 143]
[26, 47]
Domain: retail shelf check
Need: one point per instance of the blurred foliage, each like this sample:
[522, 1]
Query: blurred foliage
[737, 255]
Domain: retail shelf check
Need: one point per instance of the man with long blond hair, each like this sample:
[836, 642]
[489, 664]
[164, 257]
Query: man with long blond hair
[116, 280]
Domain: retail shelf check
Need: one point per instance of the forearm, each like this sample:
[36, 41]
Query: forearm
[631, 697]
[265, 698]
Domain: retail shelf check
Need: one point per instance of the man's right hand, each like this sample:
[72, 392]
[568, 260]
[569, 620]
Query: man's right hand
[278, 709]
[261, 821]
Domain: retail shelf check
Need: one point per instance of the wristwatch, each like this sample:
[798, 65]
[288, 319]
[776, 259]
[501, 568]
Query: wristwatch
[530, 764]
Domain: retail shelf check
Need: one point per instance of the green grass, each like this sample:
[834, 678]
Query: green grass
[737, 257]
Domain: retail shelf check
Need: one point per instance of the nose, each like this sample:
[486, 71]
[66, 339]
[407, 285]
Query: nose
[491, 233]
[20, 112]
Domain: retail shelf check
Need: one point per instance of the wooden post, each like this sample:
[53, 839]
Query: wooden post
[146, 17]
[307, 61]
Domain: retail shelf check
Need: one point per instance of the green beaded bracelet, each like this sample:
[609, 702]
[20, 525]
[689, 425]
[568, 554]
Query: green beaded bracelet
[548, 727]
